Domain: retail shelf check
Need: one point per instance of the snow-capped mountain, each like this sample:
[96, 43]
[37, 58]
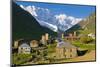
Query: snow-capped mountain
[50, 20]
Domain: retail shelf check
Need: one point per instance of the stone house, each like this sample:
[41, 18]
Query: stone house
[33, 43]
[24, 48]
[91, 35]
[65, 50]
[43, 40]
[72, 36]
[16, 43]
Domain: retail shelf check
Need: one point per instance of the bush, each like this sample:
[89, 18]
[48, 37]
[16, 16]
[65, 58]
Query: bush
[21, 58]
[86, 39]
[83, 46]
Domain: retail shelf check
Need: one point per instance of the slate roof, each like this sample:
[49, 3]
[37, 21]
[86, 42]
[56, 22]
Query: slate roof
[24, 45]
[65, 44]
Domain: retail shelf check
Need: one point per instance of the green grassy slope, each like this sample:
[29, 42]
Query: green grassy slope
[85, 26]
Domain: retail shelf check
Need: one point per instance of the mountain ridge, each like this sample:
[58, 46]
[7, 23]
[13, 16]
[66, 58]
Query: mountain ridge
[61, 21]
[25, 26]
[86, 26]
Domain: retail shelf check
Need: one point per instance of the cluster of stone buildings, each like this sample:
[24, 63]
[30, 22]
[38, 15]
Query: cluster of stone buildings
[71, 36]
[25, 47]
[63, 49]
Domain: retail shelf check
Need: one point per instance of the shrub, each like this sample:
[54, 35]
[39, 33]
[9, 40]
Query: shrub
[86, 39]
[21, 58]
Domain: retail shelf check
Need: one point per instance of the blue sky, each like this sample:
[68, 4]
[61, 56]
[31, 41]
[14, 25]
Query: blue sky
[78, 11]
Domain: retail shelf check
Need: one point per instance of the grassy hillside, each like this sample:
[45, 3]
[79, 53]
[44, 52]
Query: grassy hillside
[89, 24]
[85, 26]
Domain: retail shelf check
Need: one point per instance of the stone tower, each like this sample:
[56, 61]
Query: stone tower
[46, 36]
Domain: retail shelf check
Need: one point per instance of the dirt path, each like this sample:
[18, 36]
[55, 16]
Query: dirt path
[89, 56]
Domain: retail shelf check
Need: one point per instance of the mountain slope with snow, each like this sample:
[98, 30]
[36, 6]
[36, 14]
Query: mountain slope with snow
[50, 20]
[25, 26]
